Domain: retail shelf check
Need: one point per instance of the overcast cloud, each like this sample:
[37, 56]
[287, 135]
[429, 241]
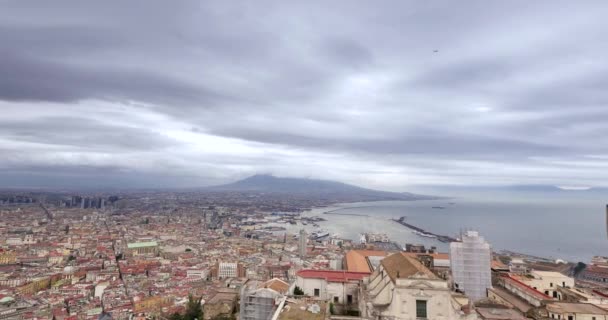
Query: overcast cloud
[388, 95]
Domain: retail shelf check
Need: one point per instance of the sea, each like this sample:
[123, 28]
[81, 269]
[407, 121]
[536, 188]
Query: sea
[570, 227]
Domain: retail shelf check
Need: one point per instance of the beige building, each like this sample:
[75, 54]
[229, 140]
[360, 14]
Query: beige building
[401, 288]
[548, 282]
[575, 311]
[143, 248]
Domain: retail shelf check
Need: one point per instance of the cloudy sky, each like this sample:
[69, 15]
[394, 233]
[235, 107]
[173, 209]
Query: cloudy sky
[382, 94]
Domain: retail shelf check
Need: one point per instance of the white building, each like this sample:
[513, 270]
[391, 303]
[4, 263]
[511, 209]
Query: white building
[227, 270]
[341, 287]
[470, 261]
[401, 288]
[197, 273]
[547, 282]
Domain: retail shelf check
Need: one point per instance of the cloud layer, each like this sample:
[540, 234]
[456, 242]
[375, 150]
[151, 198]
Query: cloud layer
[387, 96]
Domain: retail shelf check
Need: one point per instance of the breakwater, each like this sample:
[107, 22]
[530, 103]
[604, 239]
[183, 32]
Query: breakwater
[423, 232]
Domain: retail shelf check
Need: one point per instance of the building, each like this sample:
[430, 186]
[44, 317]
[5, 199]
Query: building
[575, 311]
[470, 261]
[341, 287]
[402, 288]
[143, 248]
[222, 303]
[548, 282]
[499, 314]
[524, 291]
[7, 256]
[260, 303]
[302, 244]
[223, 270]
[197, 273]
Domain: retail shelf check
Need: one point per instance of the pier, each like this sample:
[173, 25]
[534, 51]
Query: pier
[423, 232]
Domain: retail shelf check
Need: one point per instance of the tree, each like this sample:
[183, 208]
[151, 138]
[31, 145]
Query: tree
[188, 249]
[193, 309]
[297, 291]
[175, 316]
[579, 267]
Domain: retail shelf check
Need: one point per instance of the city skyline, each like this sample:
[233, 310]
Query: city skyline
[387, 97]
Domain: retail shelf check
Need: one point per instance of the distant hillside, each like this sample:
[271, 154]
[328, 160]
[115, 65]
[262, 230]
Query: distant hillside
[272, 184]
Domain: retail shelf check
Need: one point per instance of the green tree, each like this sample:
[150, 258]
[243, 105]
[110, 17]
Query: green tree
[297, 291]
[193, 309]
[176, 316]
[579, 267]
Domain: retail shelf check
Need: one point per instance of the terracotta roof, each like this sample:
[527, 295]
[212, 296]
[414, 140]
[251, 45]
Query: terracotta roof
[332, 275]
[277, 285]
[400, 265]
[356, 260]
[496, 264]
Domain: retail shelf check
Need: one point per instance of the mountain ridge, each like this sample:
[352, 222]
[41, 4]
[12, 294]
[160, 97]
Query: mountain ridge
[272, 184]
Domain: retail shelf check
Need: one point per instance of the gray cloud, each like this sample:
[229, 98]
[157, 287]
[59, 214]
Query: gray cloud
[408, 92]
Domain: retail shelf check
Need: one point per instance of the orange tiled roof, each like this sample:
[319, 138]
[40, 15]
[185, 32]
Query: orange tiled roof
[356, 259]
[399, 265]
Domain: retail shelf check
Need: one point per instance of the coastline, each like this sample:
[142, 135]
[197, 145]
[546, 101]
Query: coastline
[494, 218]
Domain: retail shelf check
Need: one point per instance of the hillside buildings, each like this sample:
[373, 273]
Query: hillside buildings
[470, 261]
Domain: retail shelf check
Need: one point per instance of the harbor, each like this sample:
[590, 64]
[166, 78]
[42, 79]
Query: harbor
[423, 233]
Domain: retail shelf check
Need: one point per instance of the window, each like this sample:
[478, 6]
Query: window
[336, 299]
[349, 299]
[316, 292]
[421, 309]
[570, 318]
[551, 284]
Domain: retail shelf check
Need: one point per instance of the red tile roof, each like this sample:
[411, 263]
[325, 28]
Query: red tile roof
[332, 275]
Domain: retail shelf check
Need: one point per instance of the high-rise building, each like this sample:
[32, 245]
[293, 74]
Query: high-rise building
[470, 261]
[302, 243]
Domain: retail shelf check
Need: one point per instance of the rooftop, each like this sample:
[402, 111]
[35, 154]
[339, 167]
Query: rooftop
[356, 260]
[499, 314]
[332, 275]
[400, 265]
[567, 307]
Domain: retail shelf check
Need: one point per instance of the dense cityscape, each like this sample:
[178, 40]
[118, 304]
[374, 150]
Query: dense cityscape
[161, 255]
[303, 160]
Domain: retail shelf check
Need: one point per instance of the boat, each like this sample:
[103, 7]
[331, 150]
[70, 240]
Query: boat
[438, 207]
